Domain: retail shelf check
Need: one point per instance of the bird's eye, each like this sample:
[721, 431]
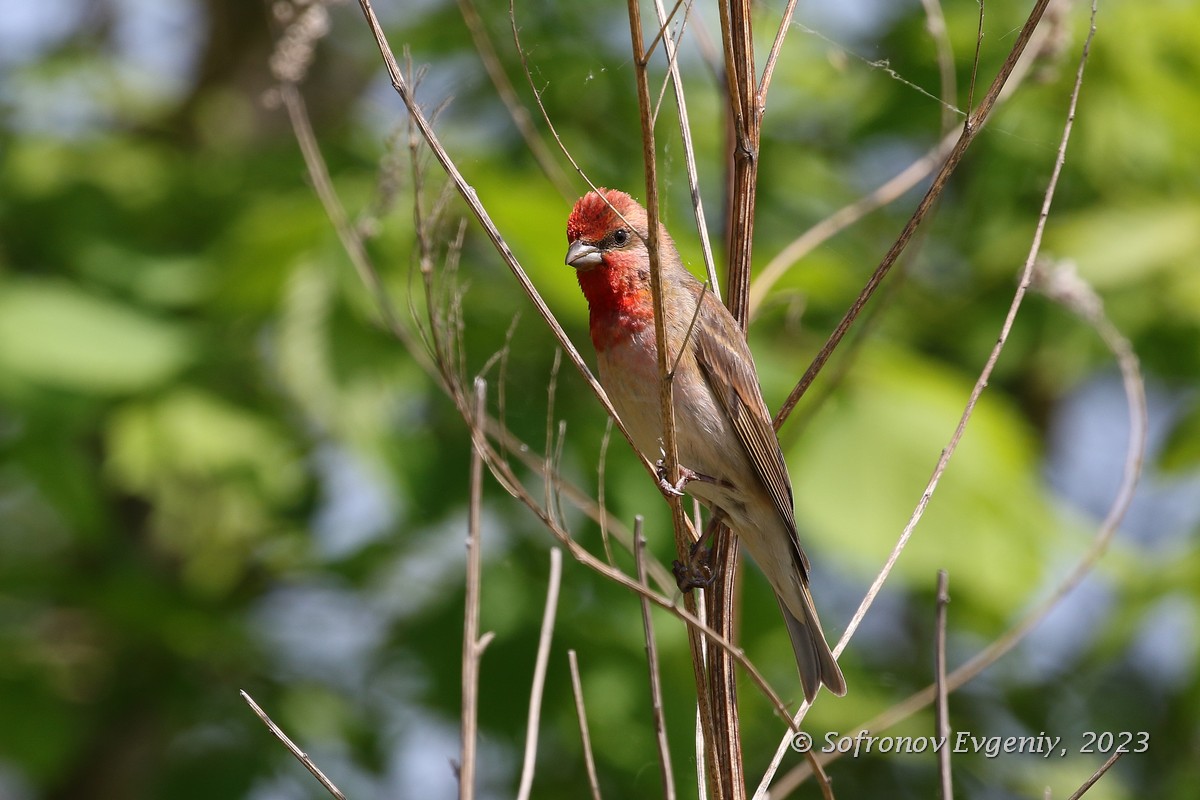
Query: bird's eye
[621, 237]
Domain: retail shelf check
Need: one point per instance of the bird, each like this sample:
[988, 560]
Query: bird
[726, 445]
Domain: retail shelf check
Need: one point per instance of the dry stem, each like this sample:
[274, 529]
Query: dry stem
[941, 704]
[588, 759]
[972, 126]
[656, 700]
[473, 644]
[539, 674]
[1135, 398]
[300, 755]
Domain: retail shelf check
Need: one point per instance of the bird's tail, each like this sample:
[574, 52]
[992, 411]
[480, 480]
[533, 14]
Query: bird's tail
[813, 656]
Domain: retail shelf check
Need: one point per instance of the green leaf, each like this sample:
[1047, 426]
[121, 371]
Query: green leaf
[1118, 246]
[200, 436]
[865, 460]
[57, 335]
[1182, 449]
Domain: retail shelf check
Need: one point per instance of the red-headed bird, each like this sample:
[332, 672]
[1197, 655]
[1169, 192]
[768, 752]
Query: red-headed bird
[724, 435]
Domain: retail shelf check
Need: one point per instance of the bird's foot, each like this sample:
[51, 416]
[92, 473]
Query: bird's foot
[686, 476]
[664, 482]
[697, 573]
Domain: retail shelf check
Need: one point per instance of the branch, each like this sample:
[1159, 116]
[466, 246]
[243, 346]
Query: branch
[776, 48]
[471, 198]
[473, 645]
[350, 239]
[588, 760]
[883, 195]
[1097, 775]
[508, 95]
[941, 705]
[300, 755]
[683, 540]
[1084, 302]
[971, 128]
[656, 700]
[539, 674]
[935, 23]
[685, 133]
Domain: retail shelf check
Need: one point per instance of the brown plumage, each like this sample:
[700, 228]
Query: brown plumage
[723, 429]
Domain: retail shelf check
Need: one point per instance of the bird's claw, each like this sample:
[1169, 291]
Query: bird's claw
[664, 482]
[697, 573]
[668, 488]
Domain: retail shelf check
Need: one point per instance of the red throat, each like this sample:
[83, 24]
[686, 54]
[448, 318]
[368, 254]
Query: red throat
[619, 303]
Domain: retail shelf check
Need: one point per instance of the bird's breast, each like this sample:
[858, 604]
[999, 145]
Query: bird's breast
[628, 368]
[704, 438]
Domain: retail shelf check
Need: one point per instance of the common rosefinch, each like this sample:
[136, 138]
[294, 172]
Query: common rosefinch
[724, 435]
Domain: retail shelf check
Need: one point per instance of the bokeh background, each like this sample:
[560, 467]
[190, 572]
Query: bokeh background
[218, 472]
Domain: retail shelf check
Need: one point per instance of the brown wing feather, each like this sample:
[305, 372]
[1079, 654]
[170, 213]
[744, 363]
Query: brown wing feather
[728, 368]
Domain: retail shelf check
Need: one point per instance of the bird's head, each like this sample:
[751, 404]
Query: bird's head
[606, 227]
[606, 237]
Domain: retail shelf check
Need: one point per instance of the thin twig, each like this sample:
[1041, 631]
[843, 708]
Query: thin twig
[661, 576]
[656, 699]
[679, 525]
[980, 383]
[975, 61]
[1097, 775]
[537, 95]
[685, 133]
[349, 237]
[776, 47]
[539, 674]
[744, 128]
[601, 492]
[881, 196]
[664, 22]
[972, 126]
[498, 465]
[588, 759]
[473, 646]
[844, 217]
[941, 705]
[508, 95]
[935, 23]
[557, 465]
[1135, 453]
[504, 473]
[993, 356]
[300, 755]
[649, 162]
[822, 778]
[548, 464]
[502, 383]
[471, 198]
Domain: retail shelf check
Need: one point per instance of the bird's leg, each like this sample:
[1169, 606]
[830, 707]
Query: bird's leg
[697, 573]
[664, 483]
[686, 476]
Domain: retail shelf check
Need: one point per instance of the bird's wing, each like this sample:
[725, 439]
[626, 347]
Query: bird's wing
[729, 370]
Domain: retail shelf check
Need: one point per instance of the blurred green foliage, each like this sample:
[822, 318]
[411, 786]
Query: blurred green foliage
[218, 471]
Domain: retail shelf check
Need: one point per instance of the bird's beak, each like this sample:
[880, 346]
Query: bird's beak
[581, 254]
